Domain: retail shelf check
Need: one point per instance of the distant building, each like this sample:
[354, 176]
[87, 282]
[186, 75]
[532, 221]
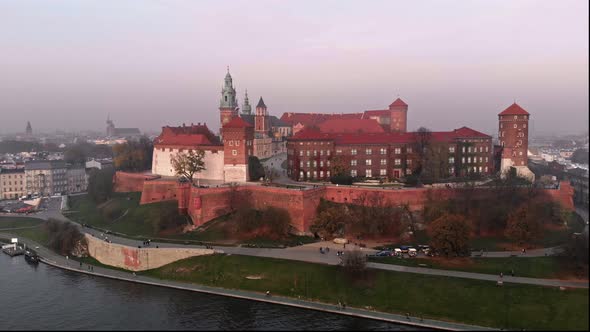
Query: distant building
[579, 180]
[29, 129]
[12, 183]
[50, 177]
[100, 163]
[112, 131]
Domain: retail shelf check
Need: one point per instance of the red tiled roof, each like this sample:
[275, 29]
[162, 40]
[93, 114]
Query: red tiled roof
[468, 132]
[398, 102]
[385, 137]
[307, 134]
[369, 113]
[350, 126]
[187, 136]
[514, 109]
[237, 122]
[307, 119]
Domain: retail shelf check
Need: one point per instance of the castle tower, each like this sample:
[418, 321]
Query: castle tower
[513, 134]
[261, 120]
[246, 108]
[29, 130]
[228, 105]
[238, 137]
[399, 116]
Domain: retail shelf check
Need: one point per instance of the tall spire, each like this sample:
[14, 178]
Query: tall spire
[246, 108]
[228, 93]
[261, 103]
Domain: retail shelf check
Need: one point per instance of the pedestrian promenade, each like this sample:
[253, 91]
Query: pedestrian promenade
[53, 259]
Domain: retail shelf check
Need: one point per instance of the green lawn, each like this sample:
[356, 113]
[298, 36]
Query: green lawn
[11, 222]
[35, 231]
[121, 214]
[455, 299]
[534, 267]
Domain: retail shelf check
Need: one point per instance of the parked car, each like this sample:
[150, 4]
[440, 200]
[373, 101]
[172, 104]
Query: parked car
[397, 252]
[412, 252]
[405, 249]
[382, 253]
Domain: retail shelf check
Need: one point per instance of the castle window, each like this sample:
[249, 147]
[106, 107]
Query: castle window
[451, 160]
[451, 149]
[469, 160]
[408, 171]
[321, 152]
[353, 172]
[481, 149]
[383, 151]
[480, 159]
[368, 162]
[463, 150]
[307, 153]
[469, 149]
[225, 98]
[368, 151]
[301, 164]
[353, 162]
[368, 173]
[321, 163]
[480, 168]
[397, 150]
[315, 153]
[409, 162]
[231, 143]
[520, 153]
[301, 153]
[463, 160]
[524, 125]
[382, 172]
[234, 152]
[328, 152]
[501, 125]
[487, 148]
[398, 162]
[383, 161]
[328, 173]
[328, 163]
[338, 151]
[314, 163]
[237, 143]
[486, 169]
[515, 125]
[307, 164]
[353, 152]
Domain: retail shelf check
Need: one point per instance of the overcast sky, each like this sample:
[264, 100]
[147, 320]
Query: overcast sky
[147, 63]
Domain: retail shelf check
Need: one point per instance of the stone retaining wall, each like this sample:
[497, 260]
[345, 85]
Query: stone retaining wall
[138, 259]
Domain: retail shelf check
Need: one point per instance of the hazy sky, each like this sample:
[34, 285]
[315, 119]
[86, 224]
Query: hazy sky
[67, 64]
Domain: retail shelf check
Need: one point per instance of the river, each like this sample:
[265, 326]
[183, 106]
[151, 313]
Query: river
[48, 298]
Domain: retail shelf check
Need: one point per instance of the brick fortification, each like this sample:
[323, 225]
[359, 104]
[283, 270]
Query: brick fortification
[205, 204]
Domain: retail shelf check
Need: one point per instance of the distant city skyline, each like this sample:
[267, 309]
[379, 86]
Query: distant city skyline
[151, 63]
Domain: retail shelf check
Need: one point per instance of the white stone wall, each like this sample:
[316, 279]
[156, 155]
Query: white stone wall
[236, 173]
[161, 164]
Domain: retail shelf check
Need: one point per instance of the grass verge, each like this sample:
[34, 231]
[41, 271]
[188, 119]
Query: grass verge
[455, 299]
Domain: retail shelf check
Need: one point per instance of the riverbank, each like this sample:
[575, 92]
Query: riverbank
[355, 312]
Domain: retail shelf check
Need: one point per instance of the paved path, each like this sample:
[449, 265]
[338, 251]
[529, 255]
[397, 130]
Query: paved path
[56, 260]
[310, 253]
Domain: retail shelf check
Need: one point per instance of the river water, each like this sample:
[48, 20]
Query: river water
[44, 297]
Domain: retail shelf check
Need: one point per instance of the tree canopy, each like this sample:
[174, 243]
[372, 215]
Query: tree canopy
[449, 235]
[134, 156]
[188, 164]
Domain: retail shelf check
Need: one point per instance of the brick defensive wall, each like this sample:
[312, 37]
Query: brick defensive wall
[205, 204]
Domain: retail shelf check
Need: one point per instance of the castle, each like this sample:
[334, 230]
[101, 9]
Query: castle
[370, 144]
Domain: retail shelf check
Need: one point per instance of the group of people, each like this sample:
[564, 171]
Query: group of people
[147, 243]
[324, 250]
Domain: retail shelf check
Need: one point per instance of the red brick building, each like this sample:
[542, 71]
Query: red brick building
[513, 133]
[393, 119]
[238, 138]
[314, 155]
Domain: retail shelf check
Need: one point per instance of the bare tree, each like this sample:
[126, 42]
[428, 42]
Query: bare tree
[189, 164]
[422, 144]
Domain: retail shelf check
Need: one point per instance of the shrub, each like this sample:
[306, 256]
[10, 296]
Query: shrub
[354, 262]
[64, 236]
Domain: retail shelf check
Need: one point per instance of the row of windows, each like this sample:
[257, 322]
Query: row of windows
[481, 159]
[314, 174]
[10, 183]
[16, 176]
[519, 134]
[469, 149]
[369, 172]
[316, 143]
[237, 142]
[515, 125]
[315, 153]
[314, 163]
[15, 189]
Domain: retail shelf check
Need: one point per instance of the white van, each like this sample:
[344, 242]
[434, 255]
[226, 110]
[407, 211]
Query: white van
[397, 252]
[412, 252]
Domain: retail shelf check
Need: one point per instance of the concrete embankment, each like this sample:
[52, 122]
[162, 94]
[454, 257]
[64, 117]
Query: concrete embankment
[354, 312]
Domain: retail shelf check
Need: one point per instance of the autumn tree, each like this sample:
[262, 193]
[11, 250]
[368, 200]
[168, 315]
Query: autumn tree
[189, 164]
[330, 221]
[133, 156]
[522, 226]
[100, 184]
[450, 235]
